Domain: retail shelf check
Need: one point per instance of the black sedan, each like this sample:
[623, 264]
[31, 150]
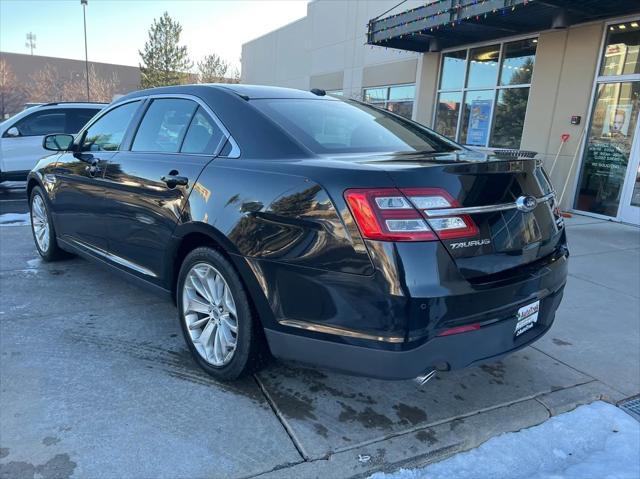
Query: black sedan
[313, 228]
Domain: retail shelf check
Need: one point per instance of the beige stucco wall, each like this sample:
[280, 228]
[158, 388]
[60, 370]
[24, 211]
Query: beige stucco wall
[327, 46]
[426, 85]
[562, 86]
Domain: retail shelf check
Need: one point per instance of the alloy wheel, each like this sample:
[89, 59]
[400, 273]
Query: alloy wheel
[40, 223]
[209, 312]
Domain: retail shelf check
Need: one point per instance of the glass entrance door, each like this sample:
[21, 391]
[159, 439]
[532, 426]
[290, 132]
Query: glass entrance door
[609, 182]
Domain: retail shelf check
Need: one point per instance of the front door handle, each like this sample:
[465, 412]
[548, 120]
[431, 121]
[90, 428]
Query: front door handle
[175, 180]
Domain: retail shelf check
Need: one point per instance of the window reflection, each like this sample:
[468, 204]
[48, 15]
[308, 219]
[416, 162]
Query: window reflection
[621, 55]
[454, 65]
[483, 66]
[517, 63]
[509, 121]
[448, 113]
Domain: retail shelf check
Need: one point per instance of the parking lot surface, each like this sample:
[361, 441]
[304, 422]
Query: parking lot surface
[96, 380]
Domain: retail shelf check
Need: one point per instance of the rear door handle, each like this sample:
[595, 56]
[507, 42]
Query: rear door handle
[175, 180]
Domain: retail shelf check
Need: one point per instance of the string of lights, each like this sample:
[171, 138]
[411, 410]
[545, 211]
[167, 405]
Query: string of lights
[451, 10]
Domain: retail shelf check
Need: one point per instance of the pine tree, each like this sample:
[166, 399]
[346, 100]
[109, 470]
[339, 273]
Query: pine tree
[164, 62]
[212, 69]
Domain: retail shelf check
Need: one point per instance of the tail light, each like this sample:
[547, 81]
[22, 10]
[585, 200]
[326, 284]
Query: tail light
[390, 214]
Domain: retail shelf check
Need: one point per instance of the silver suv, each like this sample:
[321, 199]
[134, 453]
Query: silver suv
[21, 135]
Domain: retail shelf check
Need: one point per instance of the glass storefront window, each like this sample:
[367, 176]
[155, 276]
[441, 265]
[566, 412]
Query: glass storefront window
[397, 98]
[476, 117]
[372, 95]
[495, 95]
[448, 113]
[509, 120]
[483, 66]
[621, 53]
[613, 125]
[518, 60]
[454, 65]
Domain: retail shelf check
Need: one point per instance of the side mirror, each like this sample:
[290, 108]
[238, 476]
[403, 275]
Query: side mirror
[57, 142]
[12, 132]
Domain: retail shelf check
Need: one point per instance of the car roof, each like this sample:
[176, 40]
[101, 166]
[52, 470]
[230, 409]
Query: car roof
[262, 91]
[248, 92]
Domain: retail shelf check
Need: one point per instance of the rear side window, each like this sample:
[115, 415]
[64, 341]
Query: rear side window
[44, 122]
[107, 132]
[203, 135]
[164, 125]
[77, 118]
[329, 126]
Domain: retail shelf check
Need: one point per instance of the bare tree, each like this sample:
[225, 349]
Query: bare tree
[12, 94]
[101, 89]
[46, 85]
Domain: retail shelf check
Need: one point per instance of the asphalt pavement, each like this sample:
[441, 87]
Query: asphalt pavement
[96, 381]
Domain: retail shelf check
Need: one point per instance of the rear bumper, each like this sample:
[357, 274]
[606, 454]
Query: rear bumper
[450, 352]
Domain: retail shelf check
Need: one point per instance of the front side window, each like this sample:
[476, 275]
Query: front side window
[395, 98]
[330, 126]
[164, 125]
[482, 101]
[107, 132]
[44, 122]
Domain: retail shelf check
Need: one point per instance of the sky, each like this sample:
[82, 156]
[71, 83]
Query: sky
[117, 29]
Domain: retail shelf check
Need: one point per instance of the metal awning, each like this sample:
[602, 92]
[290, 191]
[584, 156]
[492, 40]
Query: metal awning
[449, 23]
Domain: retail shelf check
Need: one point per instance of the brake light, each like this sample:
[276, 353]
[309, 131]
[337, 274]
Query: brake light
[386, 214]
[390, 214]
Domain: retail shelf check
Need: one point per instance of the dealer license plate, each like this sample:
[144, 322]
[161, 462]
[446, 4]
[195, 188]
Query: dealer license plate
[527, 317]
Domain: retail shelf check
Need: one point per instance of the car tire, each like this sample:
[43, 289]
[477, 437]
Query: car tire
[219, 324]
[44, 235]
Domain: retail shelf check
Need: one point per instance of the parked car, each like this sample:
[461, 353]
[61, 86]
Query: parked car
[21, 135]
[323, 230]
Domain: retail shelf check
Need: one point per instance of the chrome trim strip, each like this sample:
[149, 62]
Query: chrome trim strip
[112, 257]
[321, 328]
[482, 209]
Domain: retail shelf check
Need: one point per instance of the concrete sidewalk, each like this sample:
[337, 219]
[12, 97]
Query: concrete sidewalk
[96, 380]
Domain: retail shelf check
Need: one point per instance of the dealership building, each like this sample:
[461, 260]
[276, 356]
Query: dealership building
[556, 77]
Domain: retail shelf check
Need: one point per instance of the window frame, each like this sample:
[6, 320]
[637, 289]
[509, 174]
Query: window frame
[383, 104]
[465, 89]
[145, 101]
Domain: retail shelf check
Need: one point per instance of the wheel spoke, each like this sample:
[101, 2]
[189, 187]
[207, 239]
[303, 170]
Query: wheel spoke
[205, 336]
[196, 305]
[229, 323]
[226, 333]
[229, 303]
[197, 285]
[199, 322]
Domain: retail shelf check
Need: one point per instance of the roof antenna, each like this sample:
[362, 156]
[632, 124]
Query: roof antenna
[318, 91]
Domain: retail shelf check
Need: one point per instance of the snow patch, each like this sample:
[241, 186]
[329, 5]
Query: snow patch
[598, 440]
[15, 219]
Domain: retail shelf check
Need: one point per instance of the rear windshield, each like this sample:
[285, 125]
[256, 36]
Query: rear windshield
[330, 126]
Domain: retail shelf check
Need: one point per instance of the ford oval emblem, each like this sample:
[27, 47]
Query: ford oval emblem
[526, 204]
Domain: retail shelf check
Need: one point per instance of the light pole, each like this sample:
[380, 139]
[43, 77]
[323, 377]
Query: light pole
[86, 55]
